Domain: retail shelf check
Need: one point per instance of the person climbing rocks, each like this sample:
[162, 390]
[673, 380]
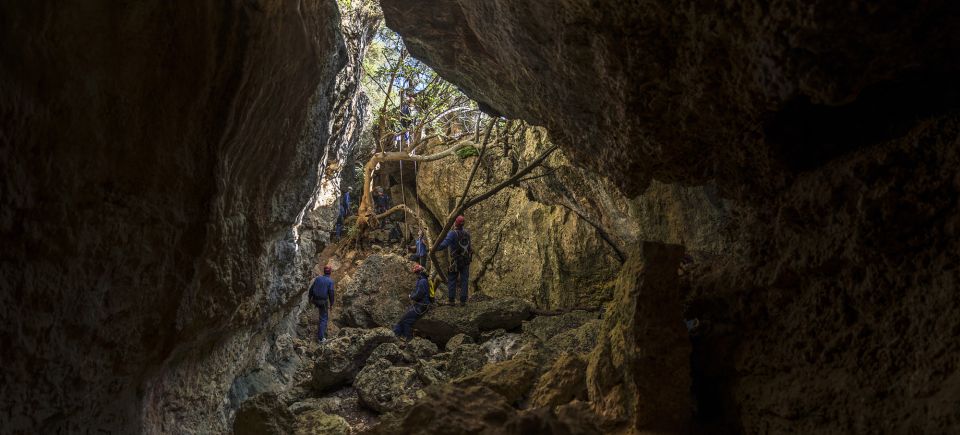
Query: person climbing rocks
[421, 303]
[344, 212]
[420, 253]
[381, 200]
[322, 296]
[461, 254]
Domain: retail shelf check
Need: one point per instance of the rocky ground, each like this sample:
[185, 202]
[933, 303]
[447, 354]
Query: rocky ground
[495, 352]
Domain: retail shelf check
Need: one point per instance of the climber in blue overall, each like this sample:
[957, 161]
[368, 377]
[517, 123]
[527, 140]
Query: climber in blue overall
[344, 212]
[421, 303]
[461, 254]
[321, 296]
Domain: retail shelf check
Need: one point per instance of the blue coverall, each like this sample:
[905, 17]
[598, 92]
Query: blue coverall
[459, 276]
[421, 250]
[322, 290]
[344, 212]
[421, 301]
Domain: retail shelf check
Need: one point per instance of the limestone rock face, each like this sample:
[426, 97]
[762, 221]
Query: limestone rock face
[442, 323]
[639, 373]
[157, 159]
[533, 231]
[640, 90]
[378, 293]
[341, 358]
[465, 359]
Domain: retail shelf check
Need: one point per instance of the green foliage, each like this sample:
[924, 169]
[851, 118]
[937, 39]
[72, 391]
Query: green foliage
[468, 151]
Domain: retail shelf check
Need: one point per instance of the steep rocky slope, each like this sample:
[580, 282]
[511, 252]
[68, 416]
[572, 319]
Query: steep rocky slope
[833, 126]
[156, 161]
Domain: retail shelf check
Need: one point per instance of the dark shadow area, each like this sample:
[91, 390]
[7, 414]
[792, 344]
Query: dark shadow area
[807, 135]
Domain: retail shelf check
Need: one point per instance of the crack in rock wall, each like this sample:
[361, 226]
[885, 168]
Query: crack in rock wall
[157, 163]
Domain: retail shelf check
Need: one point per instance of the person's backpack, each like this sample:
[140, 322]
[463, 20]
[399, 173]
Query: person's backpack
[462, 251]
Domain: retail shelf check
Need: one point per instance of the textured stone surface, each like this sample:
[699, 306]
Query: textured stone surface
[457, 340]
[320, 423]
[527, 231]
[450, 409]
[378, 293]
[512, 379]
[384, 387]
[263, 414]
[642, 89]
[639, 373]
[442, 323]
[340, 359]
[564, 382]
[156, 159]
[465, 359]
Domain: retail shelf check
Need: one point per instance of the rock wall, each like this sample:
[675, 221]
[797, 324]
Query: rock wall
[530, 243]
[156, 161]
[833, 128]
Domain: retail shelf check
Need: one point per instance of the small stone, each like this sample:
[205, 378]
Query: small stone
[458, 340]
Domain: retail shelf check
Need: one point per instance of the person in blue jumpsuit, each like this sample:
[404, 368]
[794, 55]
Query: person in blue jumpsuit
[344, 212]
[420, 256]
[322, 296]
[421, 303]
[461, 253]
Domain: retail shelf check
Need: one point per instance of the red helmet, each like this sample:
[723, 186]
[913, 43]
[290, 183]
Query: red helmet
[417, 268]
[327, 270]
[459, 221]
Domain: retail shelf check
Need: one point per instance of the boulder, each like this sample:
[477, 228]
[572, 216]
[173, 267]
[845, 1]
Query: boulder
[422, 348]
[489, 335]
[441, 324]
[580, 340]
[511, 379]
[546, 327]
[457, 340]
[450, 409]
[561, 384]
[388, 351]
[465, 359]
[384, 387]
[338, 361]
[429, 373]
[263, 414]
[317, 422]
[377, 293]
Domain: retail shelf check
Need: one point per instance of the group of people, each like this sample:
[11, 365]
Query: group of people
[321, 293]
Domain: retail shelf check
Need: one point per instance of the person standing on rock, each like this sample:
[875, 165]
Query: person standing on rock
[322, 296]
[421, 303]
[420, 256]
[461, 254]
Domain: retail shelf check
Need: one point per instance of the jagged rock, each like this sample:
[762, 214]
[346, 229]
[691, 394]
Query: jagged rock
[320, 423]
[511, 379]
[339, 360]
[564, 382]
[503, 347]
[440, 324]
[429, 373]
[377, 294]
[580, 340]
[465, 359]
[573, 418]
[489, 335]
[546, 327]
[388, 351]
[422, 348]
[639, 373]
[264, 414]
[458, 340]
[384, 387]
[450, 409]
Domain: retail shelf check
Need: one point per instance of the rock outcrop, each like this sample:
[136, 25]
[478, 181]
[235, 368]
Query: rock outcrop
[263, 414]
[833, 134]
[639, 373]
[157, 162]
